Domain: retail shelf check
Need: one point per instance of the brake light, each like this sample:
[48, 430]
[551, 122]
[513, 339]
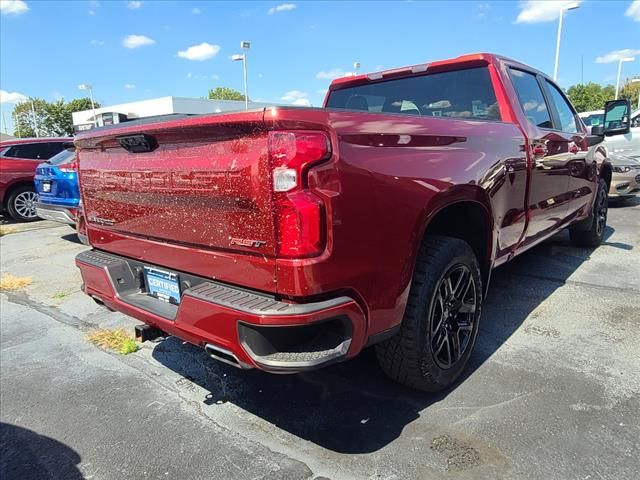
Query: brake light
[299, 214]
[68, 167]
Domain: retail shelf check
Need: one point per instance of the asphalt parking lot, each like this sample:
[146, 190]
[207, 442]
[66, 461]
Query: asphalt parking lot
[552, 391]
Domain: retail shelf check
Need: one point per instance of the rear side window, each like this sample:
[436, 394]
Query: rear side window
[458, 94]
[565, 113]
[65, 156]
[35, 151]
[54, 148]
[531, 98]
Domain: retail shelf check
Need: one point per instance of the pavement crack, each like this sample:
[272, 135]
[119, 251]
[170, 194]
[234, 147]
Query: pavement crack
[53, 312]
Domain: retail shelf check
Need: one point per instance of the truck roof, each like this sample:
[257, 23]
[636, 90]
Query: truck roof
[471, 59]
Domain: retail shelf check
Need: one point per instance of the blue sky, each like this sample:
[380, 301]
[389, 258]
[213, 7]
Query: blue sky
[145, 49]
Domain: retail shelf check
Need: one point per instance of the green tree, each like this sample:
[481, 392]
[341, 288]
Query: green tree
[59, 121]
[225, 93]
[590, 96]
[28, 117]
[630, 90]
[48, 119]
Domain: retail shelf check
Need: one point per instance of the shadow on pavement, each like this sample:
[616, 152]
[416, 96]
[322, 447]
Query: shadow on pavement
[72, 237]
[624, 202]
[27, 455]
[352, 407]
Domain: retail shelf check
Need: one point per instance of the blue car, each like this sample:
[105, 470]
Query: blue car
[57, 187]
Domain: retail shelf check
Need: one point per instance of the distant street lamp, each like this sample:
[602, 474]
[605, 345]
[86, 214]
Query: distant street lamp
[356, 67]
[245, 46]
[86, 86]
[570, 6]
[620, 62]
[34, 119]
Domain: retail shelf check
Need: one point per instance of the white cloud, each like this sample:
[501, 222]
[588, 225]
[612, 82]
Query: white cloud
[634, 11]
[322, 91]
[201, 52]
[331, 74]
[12, 97]
[13, 7]
[196, 11]
[97, 43]
[93, 4]
[302, 102]
[136, 41]
[134, 4]
[129, 86]
[537, 11]
[296, 97]
[617, 55]
[197, 76]
[284, 7]
[293, 95]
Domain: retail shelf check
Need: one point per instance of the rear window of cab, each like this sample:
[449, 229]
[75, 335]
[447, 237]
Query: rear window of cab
[464, 93]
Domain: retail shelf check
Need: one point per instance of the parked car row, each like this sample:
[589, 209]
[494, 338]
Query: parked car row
[19, 159]
[31, 188]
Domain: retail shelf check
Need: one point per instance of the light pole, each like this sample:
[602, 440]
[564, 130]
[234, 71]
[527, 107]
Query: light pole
[245, 46]
[570, 6]
[34, 118]
[86, 86]
[620, 62]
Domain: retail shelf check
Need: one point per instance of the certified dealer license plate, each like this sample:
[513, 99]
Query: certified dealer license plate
[163, 285]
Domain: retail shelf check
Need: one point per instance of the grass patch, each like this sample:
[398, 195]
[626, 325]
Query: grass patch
[6, 230]
[60, 295]
[11, 282]
[114, 339]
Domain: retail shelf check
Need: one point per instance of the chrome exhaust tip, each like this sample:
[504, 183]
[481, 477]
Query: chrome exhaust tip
[225, 356]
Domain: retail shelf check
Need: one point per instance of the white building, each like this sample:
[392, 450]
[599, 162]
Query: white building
[84, 120]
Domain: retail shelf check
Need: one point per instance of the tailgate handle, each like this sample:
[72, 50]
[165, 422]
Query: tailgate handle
[138, 143]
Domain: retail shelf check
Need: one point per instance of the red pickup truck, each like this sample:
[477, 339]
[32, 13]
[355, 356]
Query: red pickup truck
[286, 239]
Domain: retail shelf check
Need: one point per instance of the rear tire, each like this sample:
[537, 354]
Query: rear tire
[440, 324]
[593, 236]
[21, 204]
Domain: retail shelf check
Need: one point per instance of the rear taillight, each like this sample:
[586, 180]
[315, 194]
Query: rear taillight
[68, 167]
[299, 214]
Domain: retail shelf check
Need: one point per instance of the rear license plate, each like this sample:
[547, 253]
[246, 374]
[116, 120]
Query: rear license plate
[162, 285]
[46, 187]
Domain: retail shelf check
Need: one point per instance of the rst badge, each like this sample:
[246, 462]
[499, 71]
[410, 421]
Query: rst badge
[244, 242]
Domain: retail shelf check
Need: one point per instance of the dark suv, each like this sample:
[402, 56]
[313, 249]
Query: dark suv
[18, 161]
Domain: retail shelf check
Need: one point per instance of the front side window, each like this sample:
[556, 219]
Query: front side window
[565, 112]
[464, 93]
[531, 98]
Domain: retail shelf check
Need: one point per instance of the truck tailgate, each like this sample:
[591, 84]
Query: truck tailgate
[204, 186]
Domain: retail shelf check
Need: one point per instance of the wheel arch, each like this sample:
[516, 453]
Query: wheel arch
[12, 187]
[606, 172]
[463, 213]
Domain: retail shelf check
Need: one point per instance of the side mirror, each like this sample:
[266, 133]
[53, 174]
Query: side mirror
[597, 130]
[596, 136]
[616, 117]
